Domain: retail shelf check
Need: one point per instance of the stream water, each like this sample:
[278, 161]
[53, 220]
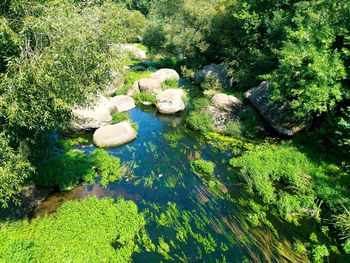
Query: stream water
[189, 221]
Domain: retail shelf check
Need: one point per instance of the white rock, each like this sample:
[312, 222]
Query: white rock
[165, 74]
[170, 101]
[134, 89]
[92, 117]
[114, 135]
[226, 102]
[150, 85]
[122, 103]
[133, 50]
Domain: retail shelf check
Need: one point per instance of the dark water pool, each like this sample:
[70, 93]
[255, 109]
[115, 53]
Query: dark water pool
[188, 220]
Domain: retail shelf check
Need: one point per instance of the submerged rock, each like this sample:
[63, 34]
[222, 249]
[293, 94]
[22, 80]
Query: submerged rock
[165, 74]
[122, 103]
[170, 101]
[93, 117]
[226, 102]
[213, 72]
[150, 85]
[278, 115]
[114, 135]
[133, 50]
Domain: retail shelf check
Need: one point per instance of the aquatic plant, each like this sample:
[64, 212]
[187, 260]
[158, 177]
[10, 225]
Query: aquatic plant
[282, 176]
[202, 167]
[96, 230]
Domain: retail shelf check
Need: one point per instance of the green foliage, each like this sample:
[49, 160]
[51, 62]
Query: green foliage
[342, 222]
[14, 169]
[61, 170]
[198, 119]
[202, 167]
[118, 117]
[319, 252]
[98, 230]
[282, 176]
[171, 84]
[130, 78]
[141, 97]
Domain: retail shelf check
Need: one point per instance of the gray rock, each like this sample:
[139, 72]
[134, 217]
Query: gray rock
[170, 101]
[131, 49]
[150, 85]
[211, 73]
[93, 117]
[278, 115]
[114, 135]
[134, 89]
[226, 102]
[220, 117]
[116, 83]
[165, 74]
[122, 103]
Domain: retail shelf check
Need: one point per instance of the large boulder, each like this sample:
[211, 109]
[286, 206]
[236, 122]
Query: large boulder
[278, 115]
[150, 85]
[226, 102]
[131, 49]
[122, 103]
[170, 101]
[114, 135]
[165, 74]
[213, 73]
[92, 117]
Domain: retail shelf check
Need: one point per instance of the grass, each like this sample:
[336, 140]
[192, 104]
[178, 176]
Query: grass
[118, 117]
[171, 84]
[130, 77]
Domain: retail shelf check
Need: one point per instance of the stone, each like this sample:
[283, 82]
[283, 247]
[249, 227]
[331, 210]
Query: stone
[226, 102]
[114, 135]
[278, 115]
[170, 101]
[116, 83]
[138, 68]
[220, 117]
[165, 74]
[150, 85]
[92, 117]
[122, 103]
[213, 73]
[134, 89]
[131, 49]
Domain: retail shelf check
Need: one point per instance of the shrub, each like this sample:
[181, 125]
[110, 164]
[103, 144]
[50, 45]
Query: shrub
[342, 222]
[96, 230]
[202, 167]
[233, 128]
[319, 252]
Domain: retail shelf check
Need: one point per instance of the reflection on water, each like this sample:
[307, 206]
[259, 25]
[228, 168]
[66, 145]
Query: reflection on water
[187, 220]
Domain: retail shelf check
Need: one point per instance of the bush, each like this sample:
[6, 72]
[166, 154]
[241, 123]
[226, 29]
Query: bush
[342, 222]
[97, 230]
[203, 168]
[171, 84]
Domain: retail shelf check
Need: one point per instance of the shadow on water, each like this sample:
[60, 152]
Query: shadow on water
[188, 221]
